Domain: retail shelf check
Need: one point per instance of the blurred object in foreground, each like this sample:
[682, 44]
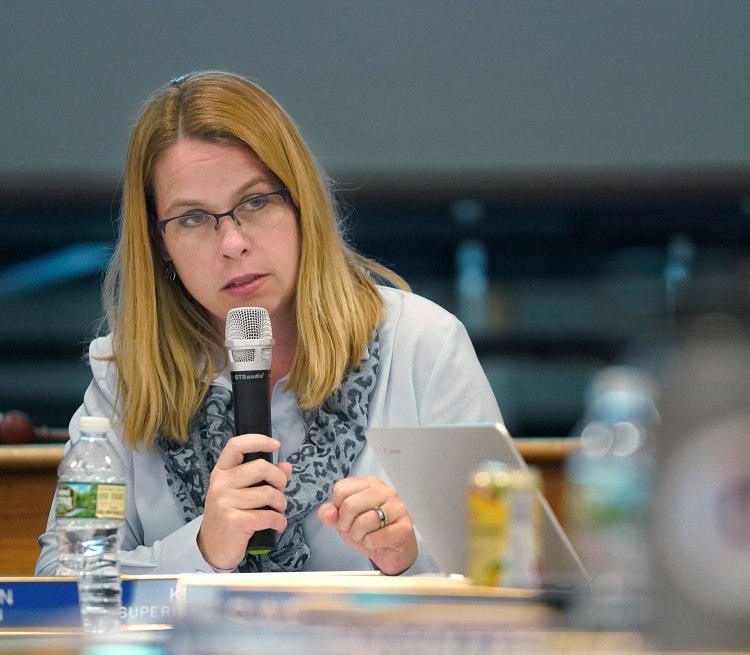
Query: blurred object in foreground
[609, 498]
[702, 510]
[325, 614]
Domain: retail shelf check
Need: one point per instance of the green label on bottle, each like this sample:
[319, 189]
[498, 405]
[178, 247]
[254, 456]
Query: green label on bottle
[90, 500]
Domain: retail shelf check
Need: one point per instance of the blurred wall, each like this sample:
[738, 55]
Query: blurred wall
[513, 143]
[395, 88]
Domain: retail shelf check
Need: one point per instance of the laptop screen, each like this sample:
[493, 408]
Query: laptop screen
[430, 466]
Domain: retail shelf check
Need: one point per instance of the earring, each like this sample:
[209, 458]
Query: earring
[171, 272]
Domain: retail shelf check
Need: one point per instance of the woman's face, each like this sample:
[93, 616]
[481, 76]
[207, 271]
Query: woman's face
[254, 264]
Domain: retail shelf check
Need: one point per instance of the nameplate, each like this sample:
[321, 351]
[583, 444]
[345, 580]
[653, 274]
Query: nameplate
[322, 599]
[53, 602]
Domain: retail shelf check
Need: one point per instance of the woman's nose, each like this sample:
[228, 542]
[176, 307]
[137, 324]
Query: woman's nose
[232, 240]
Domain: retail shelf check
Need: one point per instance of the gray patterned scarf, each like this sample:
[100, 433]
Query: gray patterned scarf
[334, 437]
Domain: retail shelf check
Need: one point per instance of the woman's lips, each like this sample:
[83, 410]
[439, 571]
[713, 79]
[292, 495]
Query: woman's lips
[244, 285]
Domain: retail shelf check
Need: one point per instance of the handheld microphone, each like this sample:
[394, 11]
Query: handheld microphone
[249, 343]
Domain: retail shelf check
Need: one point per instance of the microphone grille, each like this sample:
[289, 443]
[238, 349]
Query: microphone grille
[248, 323]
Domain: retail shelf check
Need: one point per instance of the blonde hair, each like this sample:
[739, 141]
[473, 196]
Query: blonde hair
[159, 331]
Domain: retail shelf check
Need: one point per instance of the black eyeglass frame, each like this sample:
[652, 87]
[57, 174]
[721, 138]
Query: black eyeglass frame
[283, 193]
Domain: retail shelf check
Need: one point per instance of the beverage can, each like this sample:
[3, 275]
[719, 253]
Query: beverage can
[503, 546]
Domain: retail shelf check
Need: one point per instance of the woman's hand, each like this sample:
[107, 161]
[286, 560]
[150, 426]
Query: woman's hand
[235, 509]
[386, 537]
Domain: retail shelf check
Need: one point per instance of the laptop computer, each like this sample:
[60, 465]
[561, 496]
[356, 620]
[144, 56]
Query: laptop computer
[430, 466]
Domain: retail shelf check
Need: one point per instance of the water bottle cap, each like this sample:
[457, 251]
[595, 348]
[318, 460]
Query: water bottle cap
[94, 424]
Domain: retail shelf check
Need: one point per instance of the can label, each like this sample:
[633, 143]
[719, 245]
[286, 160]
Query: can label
[90, 500]
[503, 523]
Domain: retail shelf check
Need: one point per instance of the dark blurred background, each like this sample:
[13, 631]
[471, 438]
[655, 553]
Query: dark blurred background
[561, 175]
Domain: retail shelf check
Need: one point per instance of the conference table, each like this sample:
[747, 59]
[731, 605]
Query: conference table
[287, 613]
[276, 614]
[310, 614]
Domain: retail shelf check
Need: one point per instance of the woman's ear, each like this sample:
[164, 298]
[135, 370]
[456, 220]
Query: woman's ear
[161, 250]
[157, 240]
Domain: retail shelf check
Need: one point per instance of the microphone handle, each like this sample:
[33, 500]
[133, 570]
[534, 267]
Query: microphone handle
[252, 414]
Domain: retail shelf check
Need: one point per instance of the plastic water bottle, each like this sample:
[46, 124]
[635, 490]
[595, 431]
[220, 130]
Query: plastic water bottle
[90, 510]
[610, 482]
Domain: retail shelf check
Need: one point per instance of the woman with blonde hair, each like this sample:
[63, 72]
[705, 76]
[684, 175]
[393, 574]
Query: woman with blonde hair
[224, 206]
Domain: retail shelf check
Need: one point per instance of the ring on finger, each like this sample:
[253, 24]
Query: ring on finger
[381, 515]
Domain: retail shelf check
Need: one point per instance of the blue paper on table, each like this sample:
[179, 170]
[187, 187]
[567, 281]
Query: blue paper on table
[53, 602]
[48, 602]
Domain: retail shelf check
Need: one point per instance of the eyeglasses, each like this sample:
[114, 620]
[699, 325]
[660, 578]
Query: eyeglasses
[253, 216]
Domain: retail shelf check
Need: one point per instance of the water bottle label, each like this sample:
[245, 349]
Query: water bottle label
[90, 500]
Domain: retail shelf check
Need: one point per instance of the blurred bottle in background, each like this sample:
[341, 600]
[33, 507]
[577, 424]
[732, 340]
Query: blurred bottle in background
[608, 500]
[472, 284]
